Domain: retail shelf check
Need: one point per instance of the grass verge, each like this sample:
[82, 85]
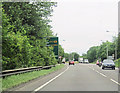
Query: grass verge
[117, 62]
[93, 62]
[15, 80]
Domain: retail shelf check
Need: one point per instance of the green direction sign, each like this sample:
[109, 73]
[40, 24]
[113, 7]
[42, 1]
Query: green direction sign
[53, 41]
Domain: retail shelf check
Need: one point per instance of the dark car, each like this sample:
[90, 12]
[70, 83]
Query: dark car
[108, 64]
[71, 62]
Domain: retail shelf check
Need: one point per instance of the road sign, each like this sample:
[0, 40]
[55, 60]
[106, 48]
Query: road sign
[53, 41]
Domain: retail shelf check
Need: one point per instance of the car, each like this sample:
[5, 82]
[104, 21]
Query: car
[107, 63]
[71, 62]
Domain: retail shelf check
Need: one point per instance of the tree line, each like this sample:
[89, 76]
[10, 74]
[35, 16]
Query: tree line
[71, 56]
[25, 29]
[100, 52]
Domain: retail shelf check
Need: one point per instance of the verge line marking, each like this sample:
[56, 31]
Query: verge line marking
[115, 81]
[97, 71]
[103, 75]
[49, 81]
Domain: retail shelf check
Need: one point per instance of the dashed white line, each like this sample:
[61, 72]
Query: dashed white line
[97, 71]
[49, 81]
[103, 75]
[115, 81]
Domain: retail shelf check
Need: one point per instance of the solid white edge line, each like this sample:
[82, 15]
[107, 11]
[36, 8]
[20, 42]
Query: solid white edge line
[115, 81]
[49, 81]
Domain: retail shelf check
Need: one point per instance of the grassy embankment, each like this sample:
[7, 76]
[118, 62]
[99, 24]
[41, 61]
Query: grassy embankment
[117, 62]
[15, 80]
[93, 62]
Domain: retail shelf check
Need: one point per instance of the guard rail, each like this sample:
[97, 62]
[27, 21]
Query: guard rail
[24, 70]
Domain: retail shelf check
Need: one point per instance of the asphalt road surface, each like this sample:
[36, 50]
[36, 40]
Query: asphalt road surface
[78, 77]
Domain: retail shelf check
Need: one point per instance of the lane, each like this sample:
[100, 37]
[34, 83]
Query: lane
[111, 74]
[78, 77]
[81, 78]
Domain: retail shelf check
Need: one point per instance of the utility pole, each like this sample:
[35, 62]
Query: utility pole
[116, 49]
[115, 45]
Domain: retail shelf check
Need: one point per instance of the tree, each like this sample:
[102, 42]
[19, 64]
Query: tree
[76, 56]
[25, 29]
[61, 52]
[100, 52]
[84, 55]
[91, 54]
[118, 46]
[66, 55]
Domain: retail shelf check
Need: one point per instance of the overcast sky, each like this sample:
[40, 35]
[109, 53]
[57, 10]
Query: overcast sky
[83, 23]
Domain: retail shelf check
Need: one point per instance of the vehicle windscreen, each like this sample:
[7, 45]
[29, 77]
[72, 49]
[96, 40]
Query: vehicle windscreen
[108, 61]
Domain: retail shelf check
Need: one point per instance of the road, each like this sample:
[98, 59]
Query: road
[78, 77]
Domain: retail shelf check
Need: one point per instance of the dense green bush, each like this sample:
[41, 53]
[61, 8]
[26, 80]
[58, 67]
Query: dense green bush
[117, 62]
[25, 28]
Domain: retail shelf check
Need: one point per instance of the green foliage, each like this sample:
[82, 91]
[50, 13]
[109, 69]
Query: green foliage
[84, 56]
[76, 56]
[91, 54]
[72, 56]
[66, 55]
[118, 46]
[100, 52]
[117, 62]
[61, 53]
[25, 31]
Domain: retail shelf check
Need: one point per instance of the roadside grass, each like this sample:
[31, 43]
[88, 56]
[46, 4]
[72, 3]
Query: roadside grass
[15, 80]
[76, 62]
[0, 84]
[117, 62]
[93, 62]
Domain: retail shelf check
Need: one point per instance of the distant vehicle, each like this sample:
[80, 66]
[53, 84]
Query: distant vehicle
[71, 62]
[80, 60]
[86, 61]
[107, 63]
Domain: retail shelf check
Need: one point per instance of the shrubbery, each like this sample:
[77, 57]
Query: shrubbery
[25, 28]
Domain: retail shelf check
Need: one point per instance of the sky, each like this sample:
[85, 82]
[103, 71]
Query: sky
[81, 24]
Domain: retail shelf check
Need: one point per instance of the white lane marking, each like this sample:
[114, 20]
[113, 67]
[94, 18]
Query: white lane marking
[103, 75]
[97, 71]
[49, 81]
[115, 81]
